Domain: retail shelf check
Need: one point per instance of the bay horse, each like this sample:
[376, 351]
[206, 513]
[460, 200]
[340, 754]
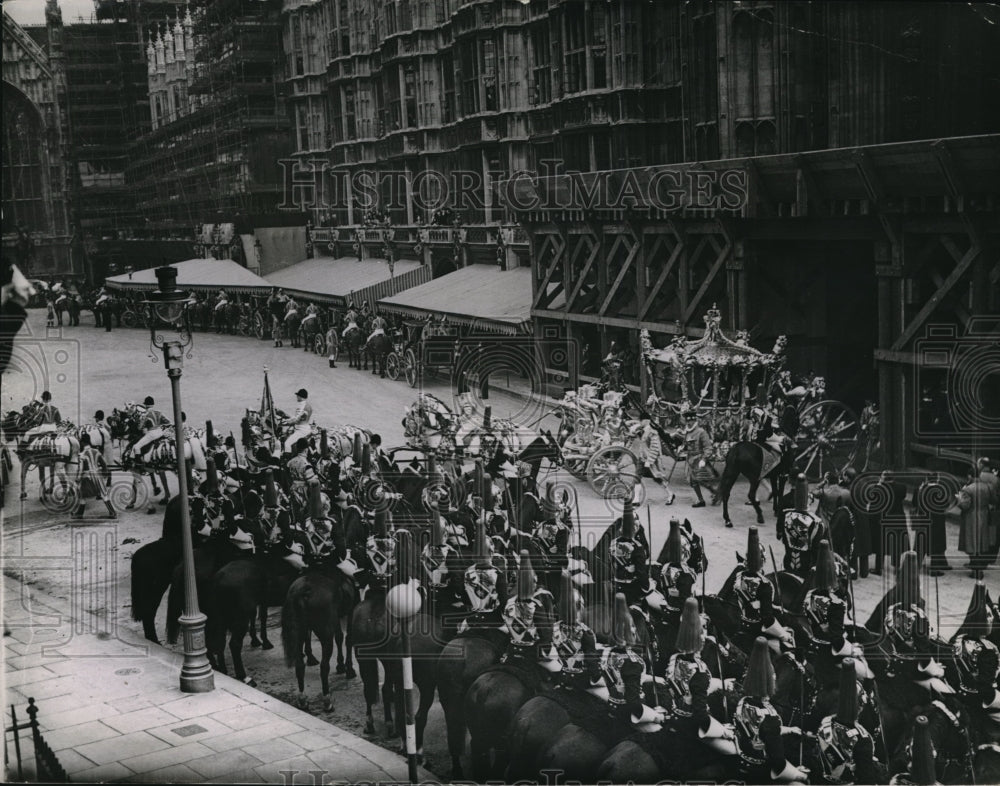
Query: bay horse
[747, 459]
[377, 348]
[310, 327]
[290, 324]
[315, 603]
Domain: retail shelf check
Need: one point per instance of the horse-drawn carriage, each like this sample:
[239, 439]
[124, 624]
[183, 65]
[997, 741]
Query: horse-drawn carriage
[424, 346]
[734, 388]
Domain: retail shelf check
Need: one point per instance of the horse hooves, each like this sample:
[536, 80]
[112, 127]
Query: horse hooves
[150, 509]
[340, 668]
[250, 681]
[130, 506]
[24, 495]
[729, 524]
[311, 661]
[349, 673]
[254, 642]
[370, 727]
[327, 704]
[266, 645]
[760, 518]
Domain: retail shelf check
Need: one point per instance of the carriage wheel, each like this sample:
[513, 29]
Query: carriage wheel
[410, 367]
[319, 344]
[611, 469]
[129, 319]
[392, 366]
[576, 454]
[258, 326]
[827, 438]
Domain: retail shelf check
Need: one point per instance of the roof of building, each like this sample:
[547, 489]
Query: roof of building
[197, 274]
[478, 295]
[340, 279]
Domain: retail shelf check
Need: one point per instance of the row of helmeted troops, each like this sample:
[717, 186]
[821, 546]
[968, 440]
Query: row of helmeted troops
[501, 558]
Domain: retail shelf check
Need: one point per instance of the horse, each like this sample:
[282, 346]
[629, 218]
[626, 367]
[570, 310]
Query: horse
[309, 328]
[378, 349]
[239, 588]
[291, 324]
[948, 725]
[460, 663]
[49, 450]
[153, 564]
[354, 341]
[747, 459]
[125, 427]
[315, 602]
[73, 306]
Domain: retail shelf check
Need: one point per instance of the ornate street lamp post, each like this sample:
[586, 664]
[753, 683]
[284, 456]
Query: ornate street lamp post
[166, 312]
[403, 603]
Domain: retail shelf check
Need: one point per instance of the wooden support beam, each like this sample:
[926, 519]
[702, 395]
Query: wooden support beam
[876, 193]
[758, 195]
[554, 264]
[953, 179]
[613, 290]
[918, 321]
[594, 249]
[695, 303]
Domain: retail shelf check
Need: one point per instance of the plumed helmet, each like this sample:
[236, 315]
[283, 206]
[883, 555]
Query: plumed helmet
[847, 703]
[674, 549]
[755, 552]
[525, 578]
[628, 521]
[690, 634]
[624, 628]
[826, 568]
[567, 600]
[758, 682]
[922, 767]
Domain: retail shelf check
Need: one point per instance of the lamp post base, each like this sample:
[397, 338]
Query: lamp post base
[197, 675]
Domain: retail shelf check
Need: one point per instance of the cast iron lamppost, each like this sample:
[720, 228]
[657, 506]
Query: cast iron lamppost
[169, 331]
[403, 603]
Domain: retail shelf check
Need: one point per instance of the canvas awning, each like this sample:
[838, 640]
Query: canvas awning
[199, 275]
[481, 296]
[337, 281]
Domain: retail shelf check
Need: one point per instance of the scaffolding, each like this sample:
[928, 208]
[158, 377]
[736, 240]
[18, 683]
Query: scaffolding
[219, 155]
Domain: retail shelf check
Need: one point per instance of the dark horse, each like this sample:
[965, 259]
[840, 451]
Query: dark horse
[153, 565]
[315, 603]
[747, 459]
[378, 348]
[354, 341]
[240, 588]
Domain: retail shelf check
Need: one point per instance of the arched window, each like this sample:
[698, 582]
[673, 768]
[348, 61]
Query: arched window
[25, 172]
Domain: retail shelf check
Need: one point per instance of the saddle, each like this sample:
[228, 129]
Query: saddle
[771, 456]
[46, 444]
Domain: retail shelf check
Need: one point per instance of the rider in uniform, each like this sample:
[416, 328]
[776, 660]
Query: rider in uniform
[442, 573]
[379, 326]
[152, 425]
[575, 642]
[846, 747]
[752, 712]
[350, 320]
[677, 577]
[977, 658]
[301, 420]
[698, 448]
[529, 618]
[485, 586]
[623, 665]
[300, 472]
[629, 558]
[47, 418]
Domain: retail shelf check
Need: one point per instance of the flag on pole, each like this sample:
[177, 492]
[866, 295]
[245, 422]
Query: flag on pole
[267, 407]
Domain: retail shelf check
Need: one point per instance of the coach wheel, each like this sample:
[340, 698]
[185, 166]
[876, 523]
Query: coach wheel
[612, 467]
[827, 440]
[410, 367]
[319, 344]
[259, 329]
[576, 453]
[128, 319]
[392, 366]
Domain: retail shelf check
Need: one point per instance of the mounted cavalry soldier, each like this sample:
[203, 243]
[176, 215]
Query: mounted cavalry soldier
[379, 326]
[300, 422]
[976, 656]
[575, 642]
[152, 424]
[300, 473]
[629, 559]
[623, 665]
[442, 570]
[350, 320]
[529, 617]
[677, 574]
[756, 719]
[846, 747]
[485, 585]
[686, 661]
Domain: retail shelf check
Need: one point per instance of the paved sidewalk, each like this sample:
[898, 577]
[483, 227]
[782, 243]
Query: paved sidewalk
[111, 709]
